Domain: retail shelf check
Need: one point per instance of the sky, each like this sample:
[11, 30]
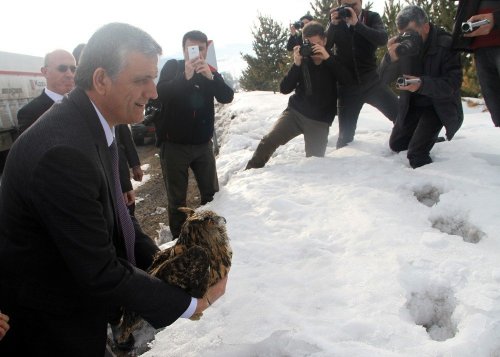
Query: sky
[351, 255]
[36, 27]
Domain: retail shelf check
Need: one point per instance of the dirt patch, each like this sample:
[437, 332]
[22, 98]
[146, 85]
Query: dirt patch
[150, 211]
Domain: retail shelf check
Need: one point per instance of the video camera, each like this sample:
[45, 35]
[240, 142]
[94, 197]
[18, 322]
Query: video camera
[343, 12]
[410, 43]
[471, 26]
[306, 49]
[403, 82]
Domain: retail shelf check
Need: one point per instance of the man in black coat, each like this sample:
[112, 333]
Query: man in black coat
[65, 264]
[185, 126]
[59, 71]
[355, 34]
[433, 100]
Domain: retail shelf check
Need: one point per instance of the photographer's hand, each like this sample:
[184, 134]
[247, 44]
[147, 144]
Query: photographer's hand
[297, 57]
[320, 52]
[481, 30]
[203, 68]
[413, 87]
[391, 48]
[293, 30]
[334, 17]
[353, 20]
[189, 68]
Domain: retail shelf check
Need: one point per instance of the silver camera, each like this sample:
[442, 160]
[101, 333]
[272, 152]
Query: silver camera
[403, 82]
[471, 26]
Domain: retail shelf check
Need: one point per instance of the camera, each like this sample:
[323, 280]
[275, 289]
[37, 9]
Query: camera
[306, 49]
[298, 25]
[403, 82]
[471, 26]
[409, 44]
[343, 12]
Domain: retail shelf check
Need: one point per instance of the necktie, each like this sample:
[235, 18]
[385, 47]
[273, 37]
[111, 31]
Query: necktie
[123, 214]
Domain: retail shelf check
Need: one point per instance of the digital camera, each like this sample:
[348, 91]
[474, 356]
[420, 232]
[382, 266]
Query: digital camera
[306, 49]
[343, 12]
[298, 25]
[410, 43]
[471, 26]
[403, 82]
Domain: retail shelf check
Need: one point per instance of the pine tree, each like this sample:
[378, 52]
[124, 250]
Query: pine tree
[269, 65]
[321, 10]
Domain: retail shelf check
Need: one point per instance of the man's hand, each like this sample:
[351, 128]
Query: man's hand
[137, 173]
[334, 17]
[353, 20]
[391, 48]
[4, 325]
[212, 295]
[319, 52]
[413, 87]
[189, 68]
[481, 30]
[297, 57]
[293, 30]
[129, 197]
[202, 67]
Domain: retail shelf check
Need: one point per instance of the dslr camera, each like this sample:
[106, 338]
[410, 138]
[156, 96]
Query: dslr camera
[298, 25]
[409, 44]
[306, 49]
[343, 12]
[403, 82]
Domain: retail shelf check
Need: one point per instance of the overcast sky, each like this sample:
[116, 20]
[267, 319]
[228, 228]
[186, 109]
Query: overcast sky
[36, 27]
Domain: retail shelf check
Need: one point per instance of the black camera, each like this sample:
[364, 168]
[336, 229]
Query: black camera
[306, 49]
[403, 82]
[471, 26]
[409, 44]
[298, 25]
[343, 12]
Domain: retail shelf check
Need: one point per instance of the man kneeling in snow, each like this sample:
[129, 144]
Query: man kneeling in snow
[313, 107]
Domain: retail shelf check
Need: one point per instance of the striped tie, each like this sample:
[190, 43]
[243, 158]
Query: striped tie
[123, 214]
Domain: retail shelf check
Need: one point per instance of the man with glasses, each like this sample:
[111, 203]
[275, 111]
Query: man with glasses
[59, 71]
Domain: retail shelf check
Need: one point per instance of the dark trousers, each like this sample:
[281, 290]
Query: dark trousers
[417, 133]
[176, 159]
[488, 72]
[289, 125]
[351, 100]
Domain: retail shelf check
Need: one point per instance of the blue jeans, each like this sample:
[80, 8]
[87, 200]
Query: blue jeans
[488, 72]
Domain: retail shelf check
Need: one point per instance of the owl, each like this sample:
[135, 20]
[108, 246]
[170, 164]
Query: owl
[200, 257]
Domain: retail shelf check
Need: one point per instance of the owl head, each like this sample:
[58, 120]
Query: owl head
[204, 227]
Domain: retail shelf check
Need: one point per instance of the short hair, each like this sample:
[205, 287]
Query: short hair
[306, 17]
[108, 49]
[411, 13]
[313, 28]
[194, 35]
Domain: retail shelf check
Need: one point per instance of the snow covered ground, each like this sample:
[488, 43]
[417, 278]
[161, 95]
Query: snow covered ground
[354, 254]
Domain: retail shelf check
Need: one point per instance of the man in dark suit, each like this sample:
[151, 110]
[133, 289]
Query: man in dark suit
[65, 264]
[59, 71]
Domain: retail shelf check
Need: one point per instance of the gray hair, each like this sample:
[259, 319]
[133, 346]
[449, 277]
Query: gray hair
[108, 49]
[411, 13]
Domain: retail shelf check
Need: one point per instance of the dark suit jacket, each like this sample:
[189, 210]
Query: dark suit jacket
[61, 266]
[28, 114]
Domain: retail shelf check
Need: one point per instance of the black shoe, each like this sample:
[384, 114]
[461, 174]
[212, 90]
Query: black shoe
[440, 139]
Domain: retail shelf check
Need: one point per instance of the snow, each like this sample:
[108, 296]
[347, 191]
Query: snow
[353, 254]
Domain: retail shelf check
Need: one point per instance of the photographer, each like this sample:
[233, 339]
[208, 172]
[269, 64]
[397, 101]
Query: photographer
[296, 37]
[355, 34]
[484, 41]
[433, 100]
[310, 110]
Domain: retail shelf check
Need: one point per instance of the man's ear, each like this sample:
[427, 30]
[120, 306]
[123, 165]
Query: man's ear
[101, 81]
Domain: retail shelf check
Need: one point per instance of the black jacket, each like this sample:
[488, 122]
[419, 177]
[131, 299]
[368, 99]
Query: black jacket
[356, 46]
[187, 114]
[294, 40]
[321, 105]
[466, 9]
[60, 241]
[28, 114]
[441, 76]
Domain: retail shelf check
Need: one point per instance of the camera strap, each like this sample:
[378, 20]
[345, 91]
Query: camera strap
[306, 76]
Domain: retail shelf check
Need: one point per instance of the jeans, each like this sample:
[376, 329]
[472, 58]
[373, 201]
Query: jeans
[488, 72]
[289, 125]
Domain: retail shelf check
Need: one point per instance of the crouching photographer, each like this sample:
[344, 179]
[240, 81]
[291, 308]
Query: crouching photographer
[355, 34]
[429, 75]
[312, 108]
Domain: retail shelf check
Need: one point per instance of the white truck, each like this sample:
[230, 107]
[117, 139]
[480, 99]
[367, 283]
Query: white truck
[20, 81]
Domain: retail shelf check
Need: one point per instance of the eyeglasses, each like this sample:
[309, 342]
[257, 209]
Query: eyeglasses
[64, 67]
